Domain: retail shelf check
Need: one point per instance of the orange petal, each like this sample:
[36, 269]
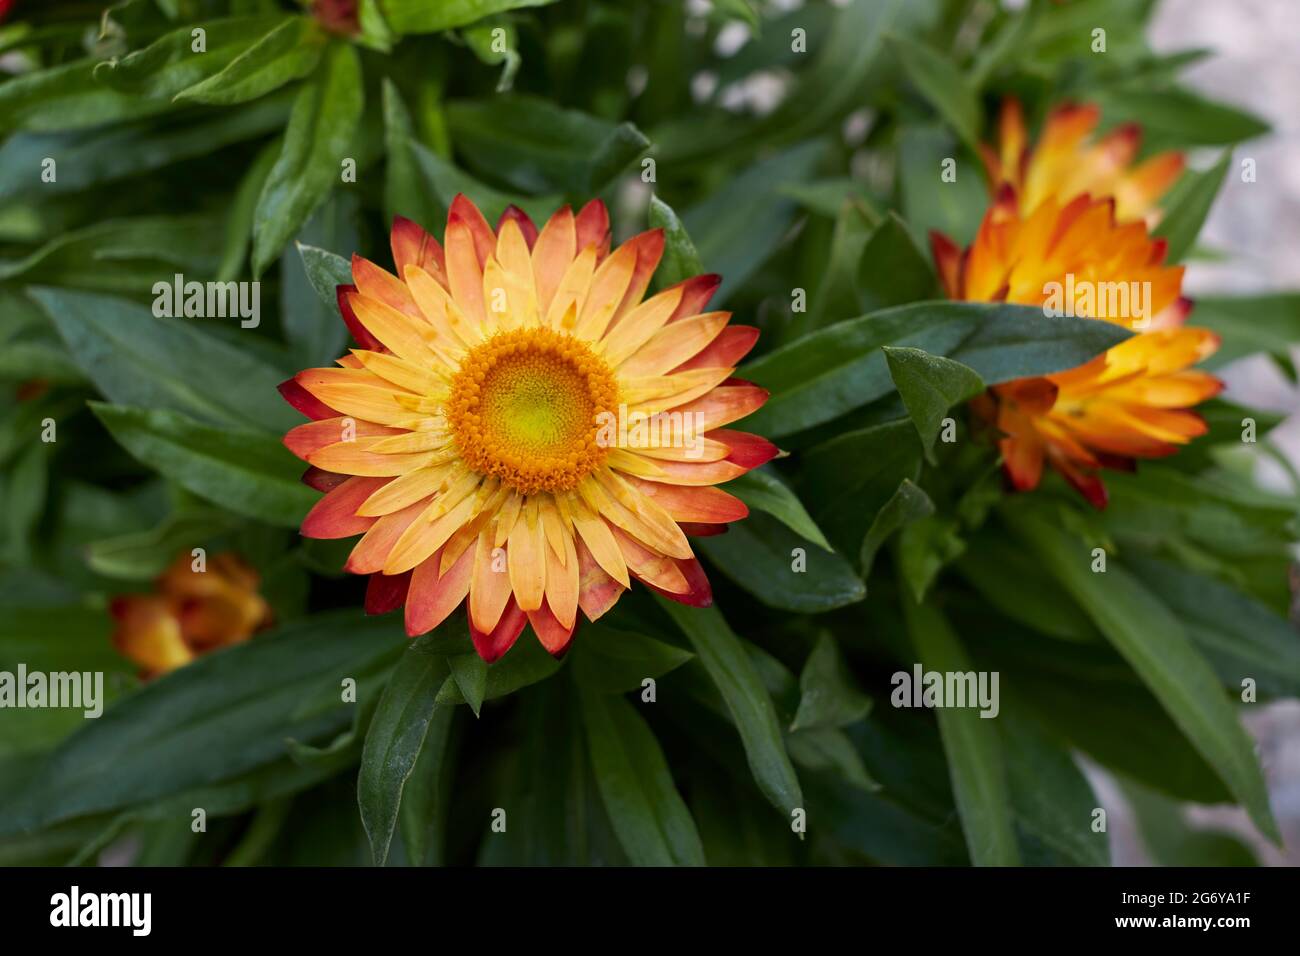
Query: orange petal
[492, 645]
[335, 515]
[433, 596]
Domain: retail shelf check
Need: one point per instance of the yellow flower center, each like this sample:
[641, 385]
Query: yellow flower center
[523, 409]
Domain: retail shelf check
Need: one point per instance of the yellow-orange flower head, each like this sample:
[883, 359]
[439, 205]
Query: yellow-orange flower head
[1135, 400]
[488, 438]
[1067, 161]
[190, 612]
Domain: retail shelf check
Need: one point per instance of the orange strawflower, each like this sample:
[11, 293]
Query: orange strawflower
[1067, 162]
[522, 427]
[1072, 253]
[190, 613]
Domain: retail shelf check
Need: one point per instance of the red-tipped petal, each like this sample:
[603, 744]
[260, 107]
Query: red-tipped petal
[524, 221]
[695, 530]
[335, 515]
[359, 331]
[491, 647]
[730, 346]
[746, 449]
[305, 401]
[592, 226]
[434, 596]
[696, 293]
[597, 591]
[485, 240]
[649, 250]
[686, 503]
[413, 246]
[386, 592]
[700, 593]
[553, 635]
[947, 258]
[322, 480]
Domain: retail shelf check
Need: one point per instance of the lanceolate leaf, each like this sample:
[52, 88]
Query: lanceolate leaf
[166, 363]
[321, 127]
[223, 715]
[762, 489]
[971, 743]
[248, 472]
[396, 736]
[837, 369]
[929, 386]
[940, 81]
[184, 57]
[724, 657]
[647, 812]
[781, 568]
[908, 503]
[680, 260]
[535, 146]
[1190, 206]
[288, 52]
[1151, 639]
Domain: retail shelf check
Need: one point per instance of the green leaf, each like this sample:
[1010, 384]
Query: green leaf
[426, 798]
[1189, 206]
[930, 385]
[288, 52]
[925, 547]
[680, 260]
[525, 663]
[1151, 639]
[616, 662]
[971, 743]
[1242, 637]
[312, 324]
[909, 503]
[648, 814]
[248, 472]
[536, 146]
[224, 715]
[829, 696]
[837, 369]
[928, 203]
[406, 191]
[326, 271]
[852, 476]
[64, 97]
[941, 82]
[136, 359]
[143, 555]
[1250, 324]
[393, 743]
[1011, 580]
[87, 158]
[892, 269]
[171, 63]
[470, 673]
[1176, 118]
[740, 225]
[760, 555]
[724, 657]
[420, 16]
[137, 253]
[320, 133]
[764, 490]
[1052, 801]
[445, 181]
